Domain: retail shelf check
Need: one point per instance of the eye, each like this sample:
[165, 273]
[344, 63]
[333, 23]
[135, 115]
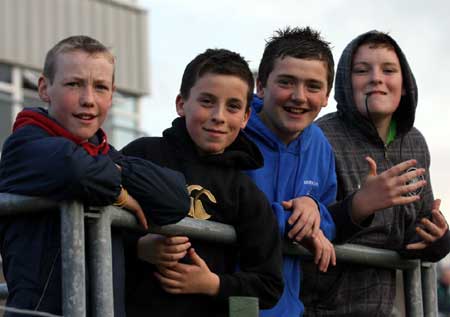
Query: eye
[390, 70]
[72, 84]
[285, 82]
[359, 70]
[314, 87]
[205, 101]
[102, 87]
[234, 107]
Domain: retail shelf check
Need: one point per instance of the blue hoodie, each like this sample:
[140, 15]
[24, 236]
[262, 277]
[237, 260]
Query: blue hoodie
[305, 167]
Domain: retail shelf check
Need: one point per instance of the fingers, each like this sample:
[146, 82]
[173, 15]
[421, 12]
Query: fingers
[372, 166]
[287, 204]
[196, 259]
[139, 213]
[416, 246]
[400, 168]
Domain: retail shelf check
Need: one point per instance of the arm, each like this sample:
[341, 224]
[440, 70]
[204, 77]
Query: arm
[35, 164]
[161, 192]
[259, 246]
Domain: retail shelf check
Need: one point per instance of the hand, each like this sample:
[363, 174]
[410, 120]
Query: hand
[195, 278]
[322, 249]
[305, 217]
[162, 251]
[385, 190]
[432, 230]
[132, 205]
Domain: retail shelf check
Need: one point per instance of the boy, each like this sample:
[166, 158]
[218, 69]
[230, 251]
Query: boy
[377, 98]
[206, 145]
[63, 154]
[294, 80]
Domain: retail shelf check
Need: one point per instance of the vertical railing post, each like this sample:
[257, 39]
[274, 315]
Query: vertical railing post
[429, 289]
[413, 291]
[100, 263]
[72, 259]
[241, 306]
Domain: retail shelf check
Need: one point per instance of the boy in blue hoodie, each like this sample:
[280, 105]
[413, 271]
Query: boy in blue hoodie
[298, 177]
[62, 153]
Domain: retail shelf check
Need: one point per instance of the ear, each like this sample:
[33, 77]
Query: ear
[403, 91]
[179, 101]
[259, 89]
[43, 86]
[246, 117]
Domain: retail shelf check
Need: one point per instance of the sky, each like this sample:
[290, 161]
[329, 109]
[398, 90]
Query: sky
[181, 29]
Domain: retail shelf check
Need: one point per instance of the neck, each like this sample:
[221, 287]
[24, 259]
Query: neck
[383, 128]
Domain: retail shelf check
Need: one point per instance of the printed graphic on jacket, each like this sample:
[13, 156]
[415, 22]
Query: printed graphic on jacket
[197, 211]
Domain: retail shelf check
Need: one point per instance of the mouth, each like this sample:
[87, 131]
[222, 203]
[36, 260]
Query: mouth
[214, 131]
[295, 110]
[376, 92]
[85, 116]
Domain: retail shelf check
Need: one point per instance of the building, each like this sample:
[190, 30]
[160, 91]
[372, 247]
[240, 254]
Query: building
[28, 28]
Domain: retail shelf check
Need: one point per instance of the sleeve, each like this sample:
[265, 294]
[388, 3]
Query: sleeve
[36, 164]
[260, 256]
[161, 192]
[345, 226]
[433, 253]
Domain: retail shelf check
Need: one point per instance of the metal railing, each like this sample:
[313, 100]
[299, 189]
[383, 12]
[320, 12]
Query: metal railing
[419, 277]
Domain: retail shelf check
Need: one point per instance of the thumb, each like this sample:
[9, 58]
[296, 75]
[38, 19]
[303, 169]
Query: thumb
[372, 166]
[436, 204]
[196, 259]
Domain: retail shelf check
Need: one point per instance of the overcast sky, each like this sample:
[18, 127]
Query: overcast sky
[181, 29]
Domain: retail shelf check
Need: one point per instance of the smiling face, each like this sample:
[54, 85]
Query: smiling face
[81, 92]
[377, 75]
[215, 111]
[295, 92]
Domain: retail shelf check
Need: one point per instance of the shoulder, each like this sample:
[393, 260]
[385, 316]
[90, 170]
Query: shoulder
[142, 147]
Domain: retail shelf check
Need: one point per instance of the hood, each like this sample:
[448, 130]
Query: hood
[242, 154]
[346, 107]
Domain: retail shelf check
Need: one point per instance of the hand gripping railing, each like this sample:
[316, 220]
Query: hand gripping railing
[419, 278]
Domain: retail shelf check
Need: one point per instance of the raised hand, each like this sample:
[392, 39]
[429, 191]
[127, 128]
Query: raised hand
[161, 250]
[195, 278]
[386, 189]
[430, 230]
[305, 218]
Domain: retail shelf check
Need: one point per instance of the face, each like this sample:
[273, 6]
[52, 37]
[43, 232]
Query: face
[377, 75]
[295, 91]
[81, 93]
[215, 111]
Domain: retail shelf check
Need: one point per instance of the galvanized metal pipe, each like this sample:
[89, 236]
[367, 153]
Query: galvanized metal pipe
[72, 259]
[100, 263]
[413, 291]
[429, 289]
[197, 229]
[242, 306]
[11, 204]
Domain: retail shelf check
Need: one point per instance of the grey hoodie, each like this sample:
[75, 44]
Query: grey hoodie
[352, 290]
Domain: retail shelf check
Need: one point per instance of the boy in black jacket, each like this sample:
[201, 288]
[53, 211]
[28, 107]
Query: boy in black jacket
[63, 154]
[206, 144]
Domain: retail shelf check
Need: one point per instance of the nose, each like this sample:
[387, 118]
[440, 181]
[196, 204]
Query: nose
[87, 97]
[298, 94]
[375, 76]
[218, 115]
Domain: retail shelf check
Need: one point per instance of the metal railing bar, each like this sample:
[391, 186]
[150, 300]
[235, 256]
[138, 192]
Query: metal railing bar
[73, 260]
[100, 264]
[430, 305]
